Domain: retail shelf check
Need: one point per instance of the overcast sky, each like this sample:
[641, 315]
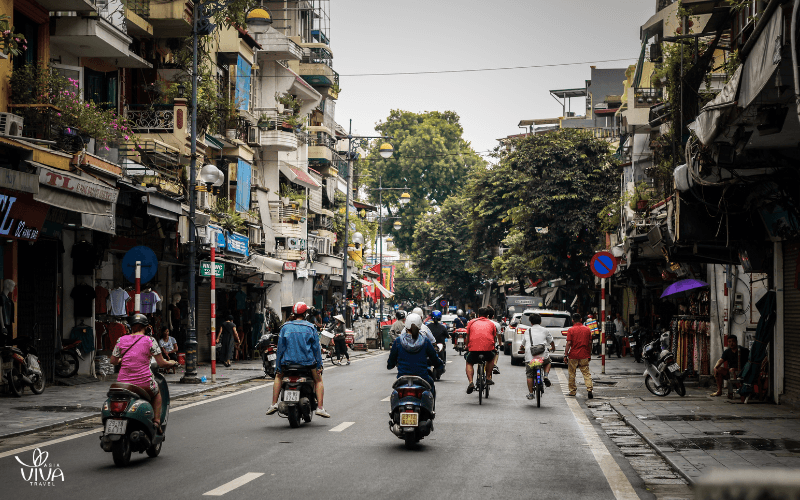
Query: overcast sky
[381, 36]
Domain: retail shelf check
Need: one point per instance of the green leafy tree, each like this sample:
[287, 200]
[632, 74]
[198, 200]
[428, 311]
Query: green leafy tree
[547, 218]
[440, 249]
[414, 290]
[430, 158]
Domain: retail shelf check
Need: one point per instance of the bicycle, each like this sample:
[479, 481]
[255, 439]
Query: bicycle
[482, 384]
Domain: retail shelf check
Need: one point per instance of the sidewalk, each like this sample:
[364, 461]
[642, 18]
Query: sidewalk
[60, 405]
[698, 433]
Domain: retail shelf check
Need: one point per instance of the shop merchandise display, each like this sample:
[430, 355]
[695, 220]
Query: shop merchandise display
[690, 342]
[103, 367]
[85, 334]
[101, 300]
[83, 295]
[119, 300]
[149, 300]
[84, 257]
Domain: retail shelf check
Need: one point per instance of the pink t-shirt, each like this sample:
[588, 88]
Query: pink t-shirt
[135, 368]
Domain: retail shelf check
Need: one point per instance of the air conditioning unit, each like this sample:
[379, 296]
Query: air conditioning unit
[11, 124]
[252, 136]
[255, 235]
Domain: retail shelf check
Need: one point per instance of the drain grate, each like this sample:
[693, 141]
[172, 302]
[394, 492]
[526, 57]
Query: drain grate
[59, 409]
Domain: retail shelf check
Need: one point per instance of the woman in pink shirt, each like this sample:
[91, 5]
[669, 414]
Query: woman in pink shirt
[133, 353]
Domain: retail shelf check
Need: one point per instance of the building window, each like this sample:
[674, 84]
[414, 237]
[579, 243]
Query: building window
[30, 29]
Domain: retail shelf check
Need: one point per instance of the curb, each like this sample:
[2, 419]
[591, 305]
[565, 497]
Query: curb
[200, 390]
[652, 445]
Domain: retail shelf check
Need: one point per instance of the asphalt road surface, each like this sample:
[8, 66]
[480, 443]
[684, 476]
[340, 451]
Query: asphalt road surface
[505, 448]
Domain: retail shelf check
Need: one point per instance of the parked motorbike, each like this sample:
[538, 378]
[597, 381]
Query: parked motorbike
[128, 421]
[20, 367]
[66, 360]
[662, 373]
[596, 349]
[298, 399]
[412, 409]
[268, 347]
[635, 344]
[441, 352]
[459, 344]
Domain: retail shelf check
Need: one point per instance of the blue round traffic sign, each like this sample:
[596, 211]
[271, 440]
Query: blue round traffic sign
[603, 264]
[148, 260]
[443, 303]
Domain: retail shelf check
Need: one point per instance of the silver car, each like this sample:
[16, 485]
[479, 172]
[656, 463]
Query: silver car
[556, 322]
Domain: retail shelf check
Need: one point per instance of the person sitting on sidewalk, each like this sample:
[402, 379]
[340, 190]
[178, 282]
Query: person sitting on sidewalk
[736, 357]
[579, 351]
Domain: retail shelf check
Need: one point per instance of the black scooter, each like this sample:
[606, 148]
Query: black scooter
[298, 398]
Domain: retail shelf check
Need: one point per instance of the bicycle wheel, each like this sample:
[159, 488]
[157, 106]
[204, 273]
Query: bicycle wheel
[485, 385]
[336, 359]
[538, 397]
[480, 384]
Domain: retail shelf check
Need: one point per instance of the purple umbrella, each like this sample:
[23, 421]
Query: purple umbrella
[683, 286]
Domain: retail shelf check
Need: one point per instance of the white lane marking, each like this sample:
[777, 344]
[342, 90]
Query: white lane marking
[387, 398]
[449, 362]
[620, 486]
[341, 427]
[89, 433]
[228, 487]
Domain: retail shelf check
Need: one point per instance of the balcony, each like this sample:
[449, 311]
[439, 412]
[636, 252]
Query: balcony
[152, 120]
[287, 221]
[277, 47]
[275, 133]
[320, 223]
[139, 7]
[171, 18]
[284, 254]
[319, 75]
[103, 37]
[647, 97]
[67, 5]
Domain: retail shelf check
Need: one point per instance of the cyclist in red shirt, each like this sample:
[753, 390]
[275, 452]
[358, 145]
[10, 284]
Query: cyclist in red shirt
[481, 338]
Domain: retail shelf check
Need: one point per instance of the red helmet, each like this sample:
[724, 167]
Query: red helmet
[299, 308]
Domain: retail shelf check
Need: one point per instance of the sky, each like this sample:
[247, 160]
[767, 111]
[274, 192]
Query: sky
[380, 36]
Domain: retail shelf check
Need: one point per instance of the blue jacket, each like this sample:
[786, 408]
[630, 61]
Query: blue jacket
[413, 358]
[298, 344]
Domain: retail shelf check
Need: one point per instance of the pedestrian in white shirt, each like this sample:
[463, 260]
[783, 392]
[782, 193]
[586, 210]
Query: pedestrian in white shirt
[535, 343]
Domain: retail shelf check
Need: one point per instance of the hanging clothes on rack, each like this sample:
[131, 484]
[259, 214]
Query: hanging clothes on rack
[85, 334]
[119, 299]
[101, 300]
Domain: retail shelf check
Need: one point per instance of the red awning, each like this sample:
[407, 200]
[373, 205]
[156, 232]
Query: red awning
[298, 175]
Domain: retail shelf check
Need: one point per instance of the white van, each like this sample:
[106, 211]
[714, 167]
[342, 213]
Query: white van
[556, 322]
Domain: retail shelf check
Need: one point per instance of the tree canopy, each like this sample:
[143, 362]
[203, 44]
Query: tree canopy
[430, 158]
[440, 243]
[540, 203]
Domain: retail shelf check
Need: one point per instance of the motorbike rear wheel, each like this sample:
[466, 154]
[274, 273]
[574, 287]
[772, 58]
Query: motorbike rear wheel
[154, 450]
[66, 364]
[294, 417]
[677, 384]
[411, 440]
[15, 382]
[121, 451]
[658, 391]
[38, 386]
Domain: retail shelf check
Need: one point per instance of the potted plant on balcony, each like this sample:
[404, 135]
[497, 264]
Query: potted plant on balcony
[11, 43]
[296, 122]
[263, 121]
[290, 104]
[641, 197]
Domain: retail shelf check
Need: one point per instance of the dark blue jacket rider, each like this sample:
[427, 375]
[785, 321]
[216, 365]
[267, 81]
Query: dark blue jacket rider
[413, 357]
[460, 322]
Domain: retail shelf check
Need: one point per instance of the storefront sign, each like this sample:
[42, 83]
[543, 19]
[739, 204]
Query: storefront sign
[78, 185]
[290, 266]
[302, 273]
[21, 217]
[205, 268]
[19, 181]
[238, 243]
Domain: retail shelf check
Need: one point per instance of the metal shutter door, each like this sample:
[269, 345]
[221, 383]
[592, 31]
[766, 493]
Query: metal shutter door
[791, 335]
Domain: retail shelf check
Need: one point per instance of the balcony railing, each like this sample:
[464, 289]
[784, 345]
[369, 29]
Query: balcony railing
[647, 97]
[152, 120]
[318, 56]
[139, 7]
[322, 222]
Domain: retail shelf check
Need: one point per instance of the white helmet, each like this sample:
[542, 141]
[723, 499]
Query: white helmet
[418, 310]
[459, 313]
[413, 319]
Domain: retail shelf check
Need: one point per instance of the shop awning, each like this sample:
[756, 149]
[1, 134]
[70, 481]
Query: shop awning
[271, 268]
[158, 204]
[707, 124]
[762, 60]
[363, 282]
[298, 175]
[103, 223]
[386, 293]
[75, 193]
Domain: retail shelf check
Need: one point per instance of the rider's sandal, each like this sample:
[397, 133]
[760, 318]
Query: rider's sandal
[470, 388]
[157, 425]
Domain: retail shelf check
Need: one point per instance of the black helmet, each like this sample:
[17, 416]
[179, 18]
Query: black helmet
[400, 315]
[138, 319]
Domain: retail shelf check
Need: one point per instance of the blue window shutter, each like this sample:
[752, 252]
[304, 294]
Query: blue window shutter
[243, 173]
[243, 69]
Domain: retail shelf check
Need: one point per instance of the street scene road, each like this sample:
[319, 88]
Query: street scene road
[229, 447]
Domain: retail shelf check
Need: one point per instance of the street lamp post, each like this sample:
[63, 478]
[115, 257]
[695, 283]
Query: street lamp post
[386, 152]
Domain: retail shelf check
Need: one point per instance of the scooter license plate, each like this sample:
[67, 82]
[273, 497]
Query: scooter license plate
[460, 342]
[609, 342]
[116, 426]
[595, 342]
[409, 419]
[633, 344]
[271, 357]
[673, 367]
[291, 396]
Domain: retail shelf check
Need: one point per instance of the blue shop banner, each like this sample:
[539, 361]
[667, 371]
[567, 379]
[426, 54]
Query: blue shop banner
[238, 243]
[216, 235]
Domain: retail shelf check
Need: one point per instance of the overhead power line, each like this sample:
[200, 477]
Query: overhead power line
[474, 70]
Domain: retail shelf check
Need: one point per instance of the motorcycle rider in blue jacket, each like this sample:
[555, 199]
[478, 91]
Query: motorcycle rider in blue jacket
[412, 353]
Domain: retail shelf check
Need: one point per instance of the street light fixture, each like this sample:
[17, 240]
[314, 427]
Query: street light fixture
[404, 199]
[386, 150]
[397, 225]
